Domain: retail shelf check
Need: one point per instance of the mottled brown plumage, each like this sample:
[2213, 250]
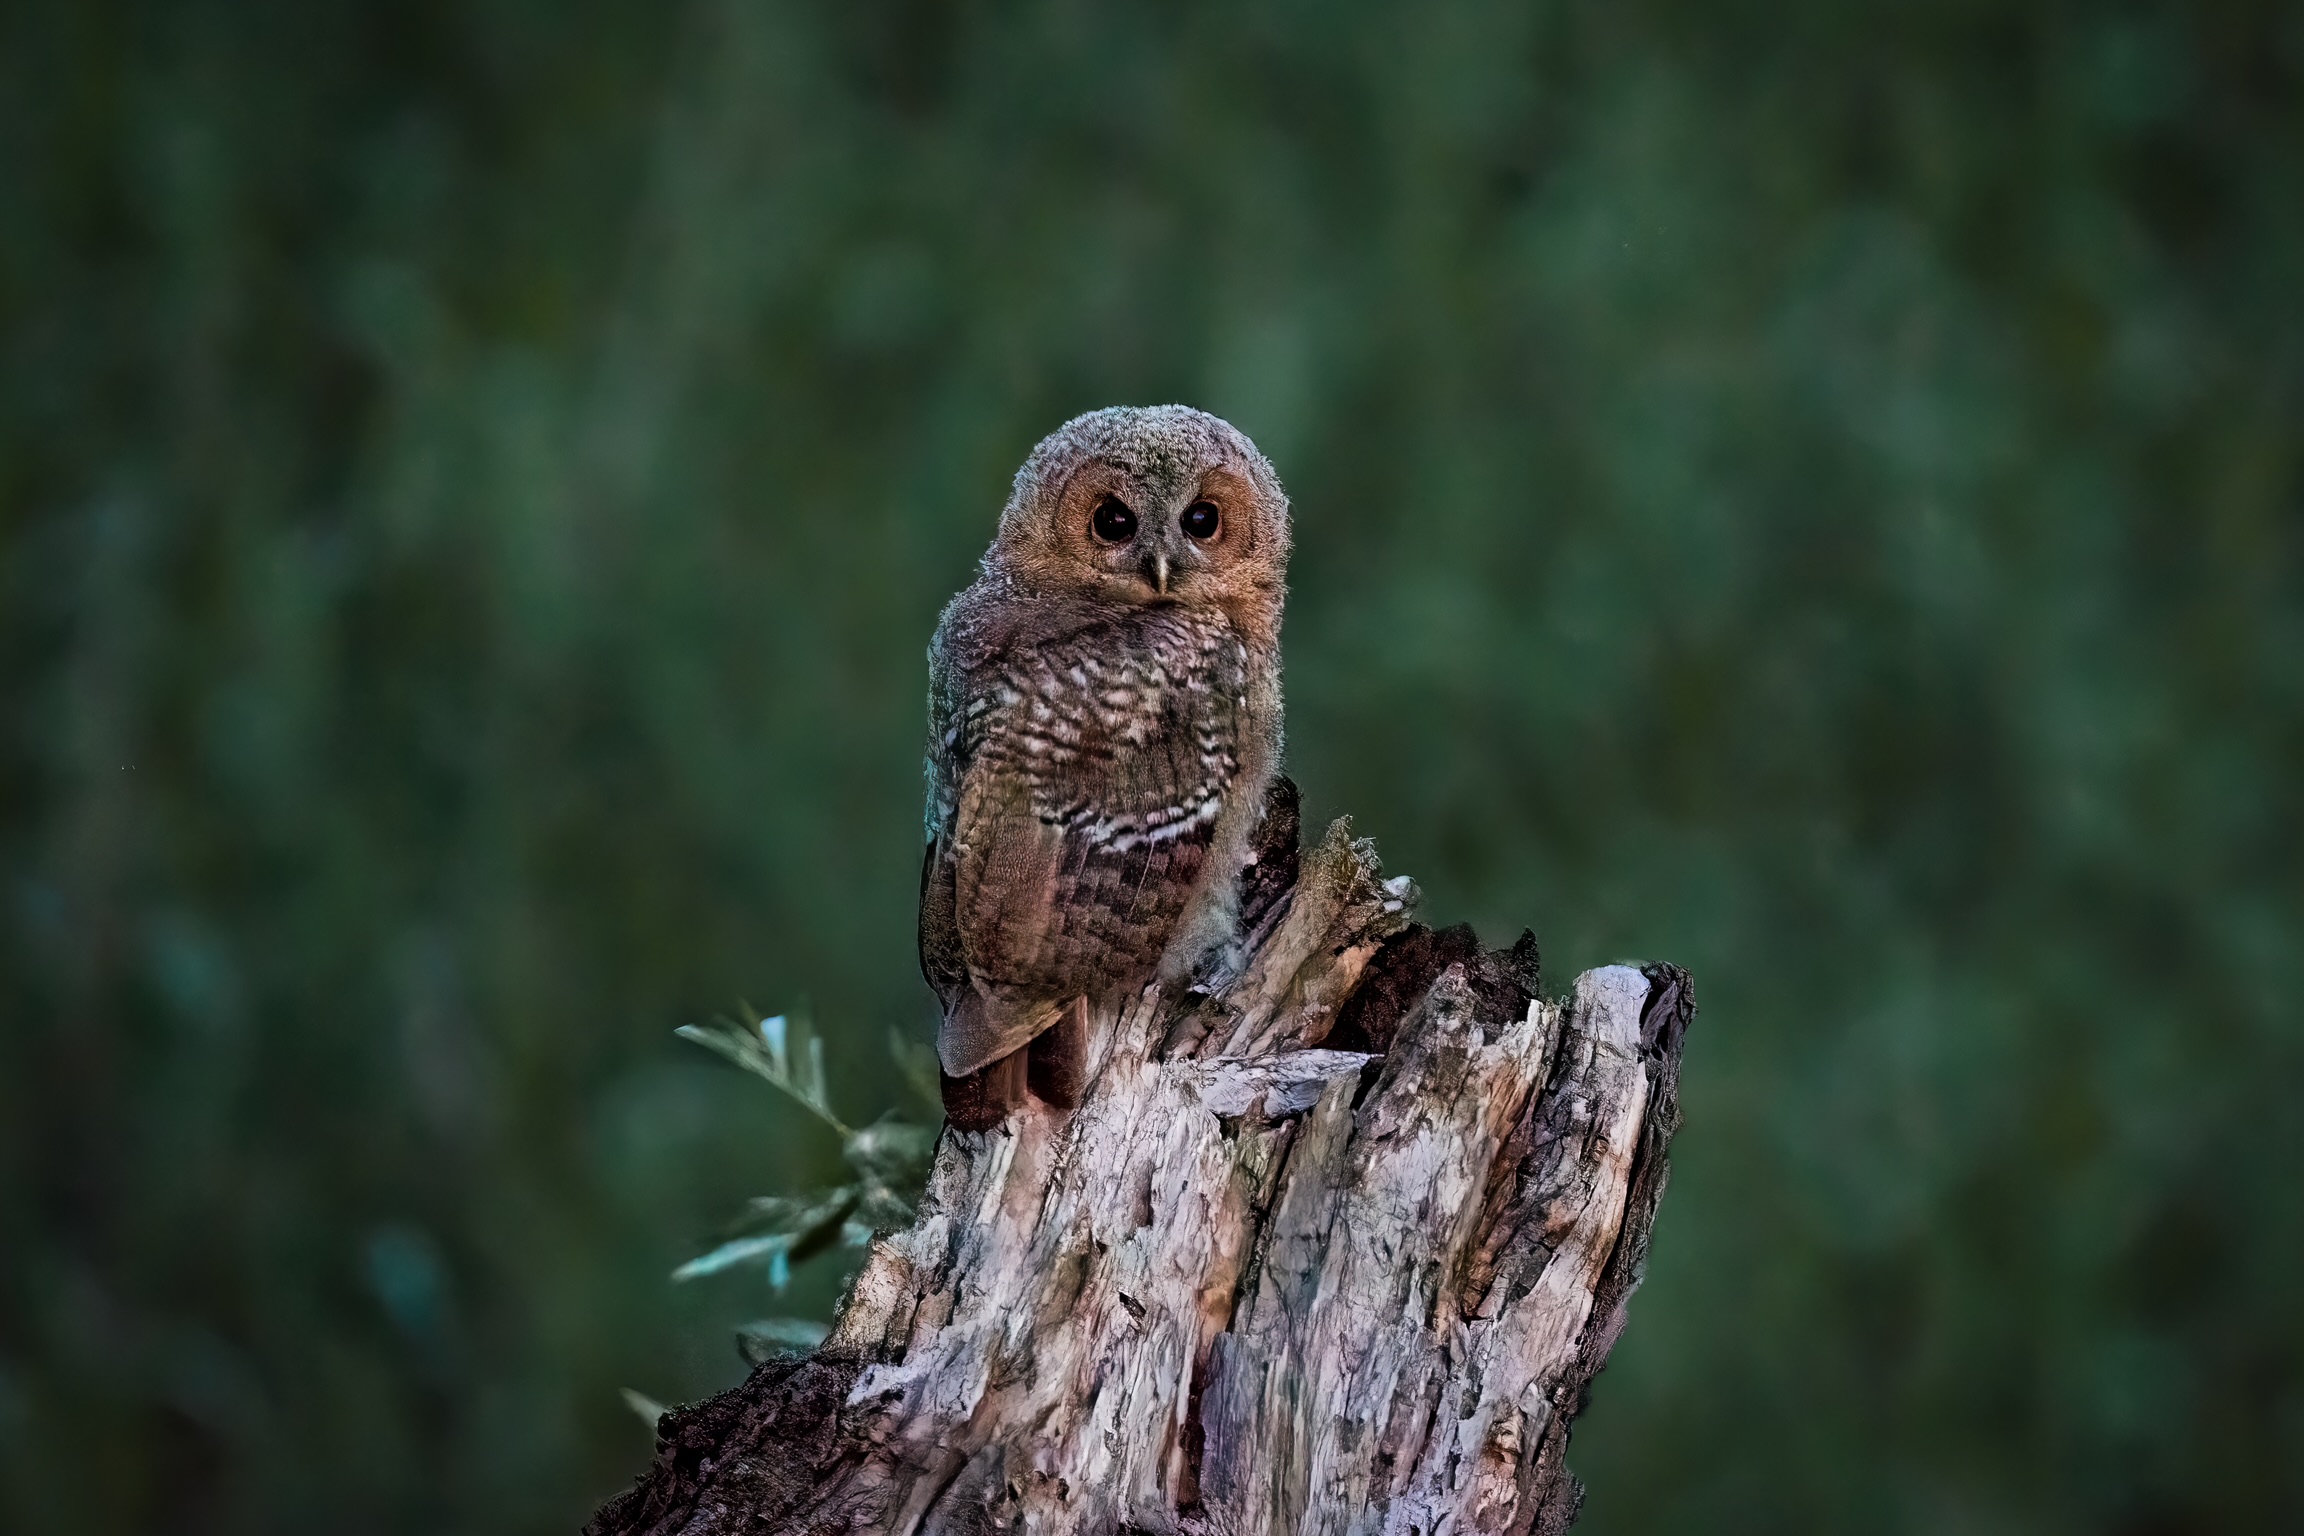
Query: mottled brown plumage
[1104, 708]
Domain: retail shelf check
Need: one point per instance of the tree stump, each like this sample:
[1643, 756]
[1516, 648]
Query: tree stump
[1333, 1244]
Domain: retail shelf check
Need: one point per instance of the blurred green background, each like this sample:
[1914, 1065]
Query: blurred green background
[1810, 491]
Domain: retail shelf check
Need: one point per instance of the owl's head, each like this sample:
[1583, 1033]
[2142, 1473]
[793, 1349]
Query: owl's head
[1150, 504]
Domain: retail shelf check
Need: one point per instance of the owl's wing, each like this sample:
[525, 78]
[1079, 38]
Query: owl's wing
[941, 960]
[975, 1029]
[999, 875]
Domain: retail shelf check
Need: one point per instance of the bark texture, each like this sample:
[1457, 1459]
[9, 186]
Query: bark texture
[1335, 1246]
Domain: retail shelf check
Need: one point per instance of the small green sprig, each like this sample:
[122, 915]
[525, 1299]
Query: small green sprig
[889, 1159]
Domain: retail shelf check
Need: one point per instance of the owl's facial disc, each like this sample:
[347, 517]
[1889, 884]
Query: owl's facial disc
[1152, 533]
[1148, 507]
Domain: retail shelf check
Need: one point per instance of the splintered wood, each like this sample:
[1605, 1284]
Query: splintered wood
[1288, 1267]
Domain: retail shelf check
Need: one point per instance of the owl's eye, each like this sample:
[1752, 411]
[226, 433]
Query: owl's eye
[1201, 520]
[1112, 521]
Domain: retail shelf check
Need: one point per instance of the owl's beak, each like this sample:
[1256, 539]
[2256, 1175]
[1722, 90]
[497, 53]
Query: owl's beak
[1157, 569]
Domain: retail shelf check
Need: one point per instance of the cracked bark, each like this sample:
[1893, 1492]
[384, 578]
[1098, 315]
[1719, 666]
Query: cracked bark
[1336, 1247]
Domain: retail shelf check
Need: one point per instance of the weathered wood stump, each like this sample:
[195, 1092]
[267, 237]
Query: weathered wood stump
[1334, 1246]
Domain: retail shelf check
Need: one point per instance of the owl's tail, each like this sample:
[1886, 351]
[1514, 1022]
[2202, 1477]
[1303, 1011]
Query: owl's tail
[1003, 1051]
[980, 1028]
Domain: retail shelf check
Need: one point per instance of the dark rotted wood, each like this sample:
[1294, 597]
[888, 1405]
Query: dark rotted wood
[749, 1459]
[1405, 968]
[1274, 855]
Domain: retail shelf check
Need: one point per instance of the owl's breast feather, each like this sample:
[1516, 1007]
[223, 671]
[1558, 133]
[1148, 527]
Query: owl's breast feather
[1139, 720]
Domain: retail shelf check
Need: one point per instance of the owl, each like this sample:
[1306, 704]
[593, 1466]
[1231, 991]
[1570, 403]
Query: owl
[1104, 721]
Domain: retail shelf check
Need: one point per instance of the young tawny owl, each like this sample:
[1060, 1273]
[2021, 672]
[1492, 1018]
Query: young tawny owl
[1104, 721]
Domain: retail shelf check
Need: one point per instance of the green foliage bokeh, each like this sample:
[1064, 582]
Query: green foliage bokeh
[1812, 491]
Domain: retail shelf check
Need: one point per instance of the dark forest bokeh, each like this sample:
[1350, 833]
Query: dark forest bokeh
[1814, 492]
